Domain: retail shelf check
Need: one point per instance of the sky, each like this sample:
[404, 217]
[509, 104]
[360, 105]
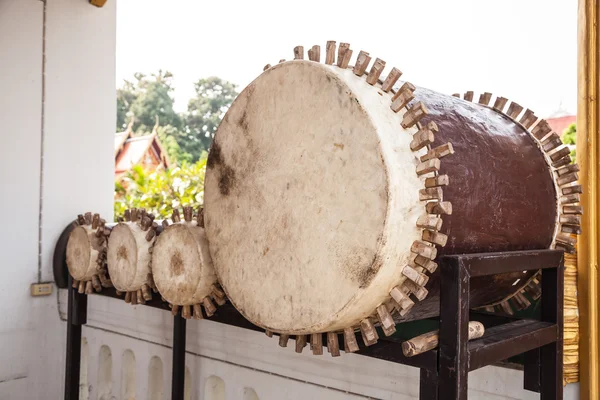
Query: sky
[524, 50]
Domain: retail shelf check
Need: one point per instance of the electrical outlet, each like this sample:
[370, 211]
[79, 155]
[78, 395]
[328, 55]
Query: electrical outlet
[41, 289]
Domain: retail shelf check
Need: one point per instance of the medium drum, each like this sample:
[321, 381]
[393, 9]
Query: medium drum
[86, 253]
[330, 192]
[182, 267]
[129, 255]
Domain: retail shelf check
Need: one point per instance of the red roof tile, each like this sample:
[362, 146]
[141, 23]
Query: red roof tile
[559, 124]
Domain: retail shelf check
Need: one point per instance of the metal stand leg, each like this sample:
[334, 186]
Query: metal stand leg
[454, 326]
[428, 389]
[551, 354]
[177, 382]
[77, 316]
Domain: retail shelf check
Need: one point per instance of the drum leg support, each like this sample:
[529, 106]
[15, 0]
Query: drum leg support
[77, 316]
[541, 341]
[178, 374]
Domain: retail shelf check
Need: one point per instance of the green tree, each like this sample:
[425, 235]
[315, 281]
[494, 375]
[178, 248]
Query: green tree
[569, 138]
[167, 135]
[205, 111]
[161, 191]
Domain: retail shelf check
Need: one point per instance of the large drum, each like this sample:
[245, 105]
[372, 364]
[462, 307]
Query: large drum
[330, 192]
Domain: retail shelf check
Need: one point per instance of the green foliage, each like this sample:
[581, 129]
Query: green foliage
[570, 137]
[153, 99]
[205, 111]
[167, 135]
[161, 191]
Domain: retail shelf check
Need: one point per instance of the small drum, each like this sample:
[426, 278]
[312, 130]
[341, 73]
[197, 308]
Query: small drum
[129, 255]
[86, 253]
[182, 267]
[330, 192]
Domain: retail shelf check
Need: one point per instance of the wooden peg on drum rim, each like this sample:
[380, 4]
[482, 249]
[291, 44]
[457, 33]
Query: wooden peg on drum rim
[316, 342]
[566, 160]
[96, 283]
[414, 114]
[403, 301]
[128, 297]
[424, 249]
[118, 293]
[560, 153]
[300, 343]
[387, 322]
[268, 333]
[439, 207]
[570, 219]
[435, 237]
[500, 103]
[424, 137]
[429, 341]
[428, 221]
[75, 284]
[175, 215]
[438, 152]
[434, 193]
[200, 217]
[333, 346]
[188, 213]
[80, 220]
[541, 129]
[505, 306]
[415, 276]
[428, 166]
[81, 288]
[528, 118]
[368, 331]
[570, 209]
[89, 288]
[403, 96]
[88, 218]
[133, 298]
[197, 311]
[95, 221]
[514, 110]
[440, 180]
[551, 142]
[342, 49]
[468, 96]
[299, 53]
[362, 62]
[457, 95]
[283, 340]
[346, 59]
[567, 169]
[165, 223]
[209, 307]
[418, 291]
[485, 98]
[266, 67]
[522, 300]
[572, 189]
[567, 178]
[150, 235]
[350, 344]
[186, 312]
[375, 72]
[391, 79]
[330, 52]
[146, 292]
[314, 53]
[174, 309]
[140, 297]
[570, 199]
[425, 263]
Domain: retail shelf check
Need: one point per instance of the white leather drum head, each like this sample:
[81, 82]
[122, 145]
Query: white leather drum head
[79, 254]
[300, 204]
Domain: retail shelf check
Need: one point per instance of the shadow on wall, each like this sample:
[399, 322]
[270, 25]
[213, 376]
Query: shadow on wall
[128, 376]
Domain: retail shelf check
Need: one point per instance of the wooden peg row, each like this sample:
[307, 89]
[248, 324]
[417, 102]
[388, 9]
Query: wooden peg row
[165, 223]
[75, 284]
[351, 346]
[439, 152]
[300, 343]
[566, 239]
[423, 249]
[424, 137]
[333, 346]
[570, 219]
[418, 278]
[89, 289]
[391, 79]
[187, 213]
[345, 61]
[142, 213]
[402, 97]
[283, 340]
[387, 322]
[428, 221]
[566, 160]
[134, 214]
[299, 53]
[104, 281]
[81, 288]
[551, 142]
[439, 207]
[440, 180]
[314, 53]
[96, 283]
[527, 115]
[425, 263]
[88, 218]
[368, 332]
[414, 114]
[316, 343]
[375, 72]
[186, 312]
[567, 178]
[565, 247]
[146, 292]
[533, 289]
[404, 302]
[330, 52]
[209, 307]
[342, 49]
[80, 219]
[435, 237]
[485, 98]
[268, 333]
[500, 103]
[430, 340]
[568, 209]
[434, 193]
[95, 221]
[150, 235]
[489, 309]
[197, 311]
[570, 199]
[514, 110]
[521, 300]
[362, 62]
[541, 129]
[419, 292]
[428, 166]
[572, 189]
[468, 95]
[560, 153]
[128, 298]
[505, 306]
[133, 298]
[216, 292]
[175, 215]
[567, 169]
[571, 229]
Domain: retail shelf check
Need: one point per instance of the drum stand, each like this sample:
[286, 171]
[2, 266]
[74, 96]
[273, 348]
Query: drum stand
[444, 371]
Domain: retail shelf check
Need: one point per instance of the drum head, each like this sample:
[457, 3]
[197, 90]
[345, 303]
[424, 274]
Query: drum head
[79, 249]
[300, 202]
[122, 257]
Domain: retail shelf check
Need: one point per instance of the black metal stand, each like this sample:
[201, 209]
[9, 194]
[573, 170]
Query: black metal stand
[444, 371]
